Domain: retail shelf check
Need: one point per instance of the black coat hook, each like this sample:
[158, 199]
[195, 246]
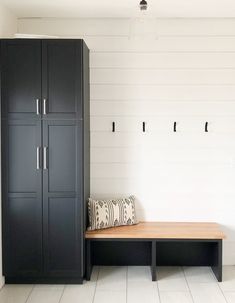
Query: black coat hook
[206, 127]
[175, 127]
[143, 127]
[113, 127]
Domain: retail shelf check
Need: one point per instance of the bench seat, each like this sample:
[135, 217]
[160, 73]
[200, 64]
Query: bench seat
[160, 230]
[207, 236]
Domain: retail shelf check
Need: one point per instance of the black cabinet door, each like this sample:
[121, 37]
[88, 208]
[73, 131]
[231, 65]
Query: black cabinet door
[22, 198]
[21, 78]
[62, 79]
[62, 196]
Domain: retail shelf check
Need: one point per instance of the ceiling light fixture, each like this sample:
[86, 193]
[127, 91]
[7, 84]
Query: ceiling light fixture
[143, 24]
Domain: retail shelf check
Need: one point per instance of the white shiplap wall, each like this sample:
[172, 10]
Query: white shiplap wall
[187, 75]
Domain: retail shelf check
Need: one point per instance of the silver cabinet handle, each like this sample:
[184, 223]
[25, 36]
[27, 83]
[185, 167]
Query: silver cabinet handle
[44, 157]
[38, 157]
[37, 106]
[44, 106]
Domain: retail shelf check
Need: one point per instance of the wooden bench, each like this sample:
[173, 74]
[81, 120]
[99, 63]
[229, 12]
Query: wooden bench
[157, 243]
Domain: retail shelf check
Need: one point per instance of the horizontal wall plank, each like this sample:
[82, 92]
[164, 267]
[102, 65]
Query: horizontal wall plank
[159, 199]
[161, 92]
[170, 141]
[162, 76]
[192, 125]
[158, 108]
[162, 60]
[99, 27]
[161, 155]
[162, 44]
[130, 124]
[163, 174]
[204, 213]
[159, 191]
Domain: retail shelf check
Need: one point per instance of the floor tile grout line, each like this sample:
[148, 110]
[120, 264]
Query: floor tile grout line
[218, 285]
[221, 288]
[30, 293]
[226, 291]
[191, 295]
[62, 294]
[223, 295]
[93, 299]
[216, 282]
[157, 286]
[222, 291]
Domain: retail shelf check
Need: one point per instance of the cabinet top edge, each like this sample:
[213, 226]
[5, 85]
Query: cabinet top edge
[42, 39]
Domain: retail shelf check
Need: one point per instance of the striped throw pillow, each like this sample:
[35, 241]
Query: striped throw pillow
[111, 213]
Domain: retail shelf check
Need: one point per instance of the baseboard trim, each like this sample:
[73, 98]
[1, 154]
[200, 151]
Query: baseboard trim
[2, 282]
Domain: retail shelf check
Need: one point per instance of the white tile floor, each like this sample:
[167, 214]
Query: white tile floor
[132, 285]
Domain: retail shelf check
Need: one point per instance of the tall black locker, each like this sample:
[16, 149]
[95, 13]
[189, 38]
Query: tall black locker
[45, 159]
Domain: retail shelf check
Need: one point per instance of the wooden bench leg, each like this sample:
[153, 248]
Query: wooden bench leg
[88, 260]
[217, 267]
[153, 262]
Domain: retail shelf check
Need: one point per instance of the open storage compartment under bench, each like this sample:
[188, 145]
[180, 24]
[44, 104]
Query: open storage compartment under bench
[156, 244]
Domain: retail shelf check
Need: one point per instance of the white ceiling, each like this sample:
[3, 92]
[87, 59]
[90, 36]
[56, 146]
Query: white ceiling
[121, 8]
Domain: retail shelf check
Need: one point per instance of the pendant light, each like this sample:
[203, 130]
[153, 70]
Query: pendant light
[143, 26]
[143, 5]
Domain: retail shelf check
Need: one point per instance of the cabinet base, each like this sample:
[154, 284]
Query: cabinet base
[42, 280]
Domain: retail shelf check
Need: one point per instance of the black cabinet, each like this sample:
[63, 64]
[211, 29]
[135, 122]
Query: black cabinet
[45, 156]
[42, 78]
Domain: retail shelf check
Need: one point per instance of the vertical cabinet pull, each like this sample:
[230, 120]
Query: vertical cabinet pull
[44, 106]
[44, 157]
[37, 106]
[38, 158]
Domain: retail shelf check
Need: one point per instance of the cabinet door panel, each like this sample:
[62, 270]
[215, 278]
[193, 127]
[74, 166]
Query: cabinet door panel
[62, 194]
[22, 198]
[62, 234]
[22, 158]
[21, 77]
[24, 254]
[62, 78]
[61, 158]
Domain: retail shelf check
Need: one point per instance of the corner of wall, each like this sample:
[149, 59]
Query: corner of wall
[8, 22]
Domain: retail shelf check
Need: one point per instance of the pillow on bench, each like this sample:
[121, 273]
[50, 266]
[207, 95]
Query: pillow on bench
[111, 213]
